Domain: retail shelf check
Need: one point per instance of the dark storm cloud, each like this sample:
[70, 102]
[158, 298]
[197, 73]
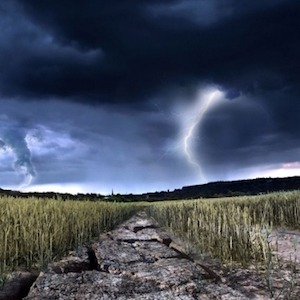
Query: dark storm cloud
[131, 50]
[97, 148]
[251, 132]
[139, 65]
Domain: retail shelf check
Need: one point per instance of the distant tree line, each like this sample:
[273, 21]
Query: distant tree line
[52, 195]
[209, 190]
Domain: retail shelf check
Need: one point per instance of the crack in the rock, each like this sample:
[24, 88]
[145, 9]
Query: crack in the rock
[211, 273]
[78, 267]
[94, 265]
[96, 262]
[169, 257]
[71, 267]
[132, 241]
[166, 241]
[139, 228]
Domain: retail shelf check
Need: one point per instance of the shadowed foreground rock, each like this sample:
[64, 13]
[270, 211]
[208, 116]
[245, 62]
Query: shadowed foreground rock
[135, 261]
[18, 285]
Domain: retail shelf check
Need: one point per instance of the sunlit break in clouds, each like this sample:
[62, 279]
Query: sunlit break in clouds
[192, 121]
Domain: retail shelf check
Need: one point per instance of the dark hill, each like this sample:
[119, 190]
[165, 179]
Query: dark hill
[228, 188]
[208, 190]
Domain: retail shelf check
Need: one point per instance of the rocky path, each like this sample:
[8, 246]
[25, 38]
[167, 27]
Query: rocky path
[135, 261]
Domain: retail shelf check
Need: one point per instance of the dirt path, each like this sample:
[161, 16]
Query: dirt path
[138, 260]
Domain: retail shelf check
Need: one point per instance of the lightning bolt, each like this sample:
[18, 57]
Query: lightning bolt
[204, 104]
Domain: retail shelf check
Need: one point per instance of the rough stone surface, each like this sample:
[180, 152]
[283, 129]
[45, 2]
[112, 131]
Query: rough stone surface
[135, 261]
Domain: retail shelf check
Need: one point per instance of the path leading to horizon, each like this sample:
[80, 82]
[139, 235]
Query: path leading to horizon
[137, 260]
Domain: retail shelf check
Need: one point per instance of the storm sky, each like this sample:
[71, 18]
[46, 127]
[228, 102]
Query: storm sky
[118, 95]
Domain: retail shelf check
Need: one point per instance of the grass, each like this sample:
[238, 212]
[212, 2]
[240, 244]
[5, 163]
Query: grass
[37, 231]
[232, 229]
[238, 231]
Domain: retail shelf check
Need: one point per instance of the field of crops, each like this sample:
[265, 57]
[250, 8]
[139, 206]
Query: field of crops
[36, 231]
[231, 229]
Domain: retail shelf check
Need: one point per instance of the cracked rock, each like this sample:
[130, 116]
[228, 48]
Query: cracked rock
[134, 261]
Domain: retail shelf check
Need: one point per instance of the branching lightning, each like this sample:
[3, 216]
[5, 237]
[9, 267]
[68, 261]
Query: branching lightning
[203, 104]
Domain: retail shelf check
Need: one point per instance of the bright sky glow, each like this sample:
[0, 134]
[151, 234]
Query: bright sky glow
[289, 169]
[71, 188]
[283, 170]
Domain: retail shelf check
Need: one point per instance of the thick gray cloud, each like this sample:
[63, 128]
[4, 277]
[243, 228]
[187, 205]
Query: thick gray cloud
[12, 136]
[123, 51]
[96, 92]
[95, 148]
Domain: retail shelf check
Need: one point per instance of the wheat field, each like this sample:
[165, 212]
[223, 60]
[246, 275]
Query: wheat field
[37, 231]
[231, 229]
